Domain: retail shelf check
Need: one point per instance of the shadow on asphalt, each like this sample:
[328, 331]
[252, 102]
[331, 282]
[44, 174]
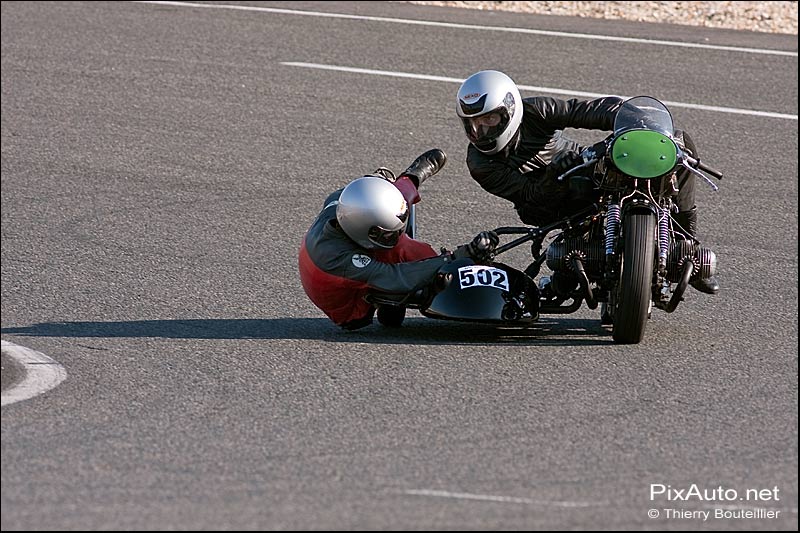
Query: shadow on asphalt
[560, 332]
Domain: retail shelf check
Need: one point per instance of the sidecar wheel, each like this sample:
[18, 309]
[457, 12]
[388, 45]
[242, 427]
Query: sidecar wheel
[632, 304]
[391, 316]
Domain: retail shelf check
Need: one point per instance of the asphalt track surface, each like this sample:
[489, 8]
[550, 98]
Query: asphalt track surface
[160, 165]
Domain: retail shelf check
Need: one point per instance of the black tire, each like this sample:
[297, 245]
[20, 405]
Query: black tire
[632, 302]
[391, 316]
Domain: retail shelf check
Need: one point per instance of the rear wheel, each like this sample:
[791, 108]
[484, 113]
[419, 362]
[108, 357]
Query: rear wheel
[633, 294]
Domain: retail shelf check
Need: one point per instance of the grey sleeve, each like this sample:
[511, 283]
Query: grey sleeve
[398, 278]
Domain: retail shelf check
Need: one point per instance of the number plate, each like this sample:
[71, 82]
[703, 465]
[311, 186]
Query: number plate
[482, 276]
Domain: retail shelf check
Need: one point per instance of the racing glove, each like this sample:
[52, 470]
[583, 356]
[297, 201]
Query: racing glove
[561, 163]
[548, 192]
[480, 249]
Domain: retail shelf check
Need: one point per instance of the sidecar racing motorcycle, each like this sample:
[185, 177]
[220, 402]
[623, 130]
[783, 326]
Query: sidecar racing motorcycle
[620, 250]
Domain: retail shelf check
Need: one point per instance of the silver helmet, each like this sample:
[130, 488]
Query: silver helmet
[372, 212]
[490, 108]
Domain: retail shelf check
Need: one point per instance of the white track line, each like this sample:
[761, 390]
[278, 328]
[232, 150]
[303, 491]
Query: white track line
[546, 90]
[498, 499]
[41, 373]
[474, 27]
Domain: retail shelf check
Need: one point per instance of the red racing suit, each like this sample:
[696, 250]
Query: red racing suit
[337, 273]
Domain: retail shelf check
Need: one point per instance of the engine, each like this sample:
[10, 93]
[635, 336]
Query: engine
[591, 252]
[681, 251]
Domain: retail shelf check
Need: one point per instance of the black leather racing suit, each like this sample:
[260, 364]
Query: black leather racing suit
[518, 173]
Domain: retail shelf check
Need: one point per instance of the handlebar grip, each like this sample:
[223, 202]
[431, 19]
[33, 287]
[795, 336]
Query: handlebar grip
[708, 170]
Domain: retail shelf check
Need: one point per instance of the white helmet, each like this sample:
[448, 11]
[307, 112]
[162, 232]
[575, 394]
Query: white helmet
[490, 107]
[372, 212]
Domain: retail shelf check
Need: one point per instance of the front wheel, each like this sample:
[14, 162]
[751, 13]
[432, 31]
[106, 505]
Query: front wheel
[632, 302]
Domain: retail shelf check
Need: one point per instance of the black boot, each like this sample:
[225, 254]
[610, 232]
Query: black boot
[706, 285]
[687, 220]
[425, 166]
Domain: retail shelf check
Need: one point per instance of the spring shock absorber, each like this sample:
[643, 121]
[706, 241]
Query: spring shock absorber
[613, 218]
[663, 240]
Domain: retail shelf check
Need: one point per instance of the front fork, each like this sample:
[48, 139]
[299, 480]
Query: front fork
[613, 224]
[664, 241]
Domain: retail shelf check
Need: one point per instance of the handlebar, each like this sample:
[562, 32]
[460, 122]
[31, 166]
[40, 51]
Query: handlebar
[590, 155]
[708, 170]
[693, 164]
[576, 168]
[593, 153]
[696, 163]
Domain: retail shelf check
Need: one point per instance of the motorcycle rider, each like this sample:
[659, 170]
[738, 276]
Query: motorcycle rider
[358, 244]
[517, 149]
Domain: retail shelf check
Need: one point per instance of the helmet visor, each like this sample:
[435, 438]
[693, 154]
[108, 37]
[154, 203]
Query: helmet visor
[388, 238]
[484, 129]
[383, 237]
